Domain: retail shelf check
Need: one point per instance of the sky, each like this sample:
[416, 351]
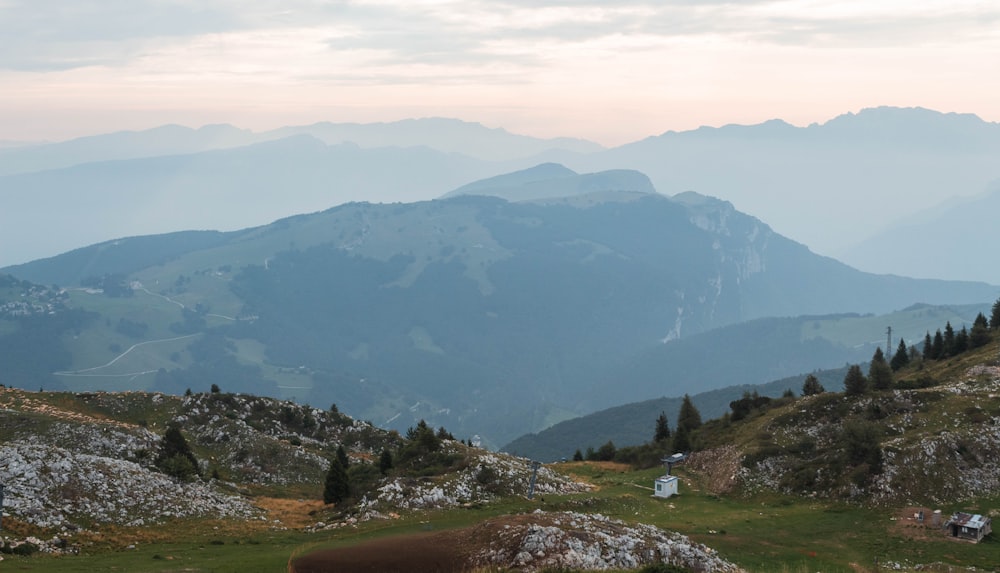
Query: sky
[610, 71]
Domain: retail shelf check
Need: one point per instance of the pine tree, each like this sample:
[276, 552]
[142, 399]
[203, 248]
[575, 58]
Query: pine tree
[855, 382]
[811, 386]
[901, 358]
[879, 372]
[928, 351]
[578, 455]
[949, 341]
[424, 437]
[937, 347]
[175, 457]
[995, 316]
[682, 441]
[342, 457]
[689, 417]
[980, 333]
[662, 431]
[606, 453]
[961, 343]
[337, 486]
[385, 461]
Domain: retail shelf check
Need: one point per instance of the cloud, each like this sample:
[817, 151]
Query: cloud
[64, 34]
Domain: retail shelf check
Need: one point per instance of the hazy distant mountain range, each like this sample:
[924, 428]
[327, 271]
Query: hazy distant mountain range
[474, 312]
[446, 135]
[845, 187]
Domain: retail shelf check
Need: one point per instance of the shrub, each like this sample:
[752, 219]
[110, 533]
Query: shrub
[25, 549]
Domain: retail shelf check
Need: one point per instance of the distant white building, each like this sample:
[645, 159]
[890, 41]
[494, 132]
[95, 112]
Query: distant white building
[665, 486]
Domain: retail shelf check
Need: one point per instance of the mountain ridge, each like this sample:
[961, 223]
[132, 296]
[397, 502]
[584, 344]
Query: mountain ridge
[412, 301]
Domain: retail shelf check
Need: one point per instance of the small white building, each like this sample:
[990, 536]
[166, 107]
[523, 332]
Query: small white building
[665, 486]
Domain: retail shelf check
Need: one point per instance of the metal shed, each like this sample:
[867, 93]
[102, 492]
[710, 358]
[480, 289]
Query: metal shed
[970, 527]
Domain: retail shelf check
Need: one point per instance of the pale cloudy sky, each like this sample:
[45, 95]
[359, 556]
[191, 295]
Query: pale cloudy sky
[612, 71]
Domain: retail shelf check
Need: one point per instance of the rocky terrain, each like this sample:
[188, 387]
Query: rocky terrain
[537, 541]
[925, 445]
[487, 476]
[569, 540]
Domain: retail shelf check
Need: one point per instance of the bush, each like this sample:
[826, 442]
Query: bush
[802, 479]
[25, 549]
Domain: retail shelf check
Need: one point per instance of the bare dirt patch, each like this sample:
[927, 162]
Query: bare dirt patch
[907, 524]
[290, 512]
[450, 551]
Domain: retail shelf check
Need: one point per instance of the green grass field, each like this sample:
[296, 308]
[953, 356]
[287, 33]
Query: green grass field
[762, 533]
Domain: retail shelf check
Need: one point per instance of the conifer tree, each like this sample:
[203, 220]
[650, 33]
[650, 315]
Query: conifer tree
[980, 333]
[949, 341]
[928, 351]
[961, 343]
[606, 453]
[879, 373]
[901, 358]
[578, 455]
[681, 441]
[995, 316]
[175, 457]
[811, 386]
[337, 486]
[342, 456]
[855, 382]
[385, 461]
[689, 417]
[662, 431]
[937, 347]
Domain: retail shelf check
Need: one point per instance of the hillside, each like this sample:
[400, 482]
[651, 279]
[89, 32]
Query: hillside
[768, 356]
[933, 438]
[83, 494]
[629, 424]
[88, 469]
[81, 459]
[481, 315]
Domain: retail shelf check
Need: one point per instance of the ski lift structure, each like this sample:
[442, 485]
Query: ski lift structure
[667, 484]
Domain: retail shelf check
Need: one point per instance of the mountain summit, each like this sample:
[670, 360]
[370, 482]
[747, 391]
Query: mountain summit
[552, 180]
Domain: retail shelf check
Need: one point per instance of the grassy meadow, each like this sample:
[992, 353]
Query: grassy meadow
[762, 533]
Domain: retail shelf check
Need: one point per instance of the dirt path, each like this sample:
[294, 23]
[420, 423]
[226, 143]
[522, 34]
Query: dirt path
[439, 552]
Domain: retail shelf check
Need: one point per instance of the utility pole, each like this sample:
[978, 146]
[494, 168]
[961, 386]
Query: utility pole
[534, 476]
